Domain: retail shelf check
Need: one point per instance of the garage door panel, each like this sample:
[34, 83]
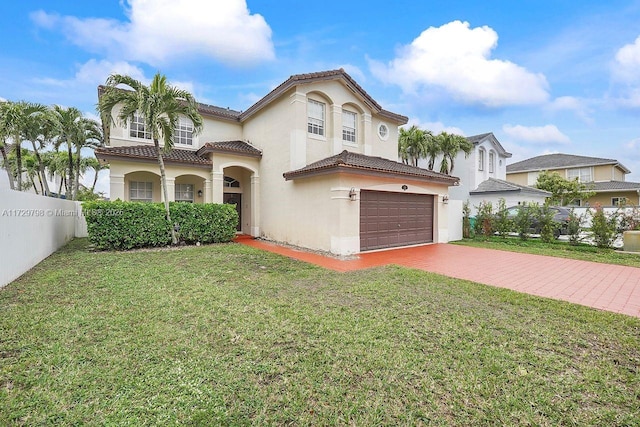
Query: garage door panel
[394, 219]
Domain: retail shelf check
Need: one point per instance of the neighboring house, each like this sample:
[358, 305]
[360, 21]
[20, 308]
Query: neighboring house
[311, 164]
[483, 176]
[606, 177]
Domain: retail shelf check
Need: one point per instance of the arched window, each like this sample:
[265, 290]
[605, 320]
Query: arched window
[480, 160]
[231, 182]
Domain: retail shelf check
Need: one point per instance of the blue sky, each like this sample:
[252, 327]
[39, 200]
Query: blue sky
[543, 76]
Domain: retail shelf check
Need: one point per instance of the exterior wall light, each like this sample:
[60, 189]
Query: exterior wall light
[445, 199]
[352, 194]
[199, 193]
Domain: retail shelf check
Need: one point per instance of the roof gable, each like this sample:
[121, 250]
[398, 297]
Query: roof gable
[489, 136]
[493, 185]
[338, 75]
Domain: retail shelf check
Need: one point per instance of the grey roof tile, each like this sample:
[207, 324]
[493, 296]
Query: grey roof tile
[614, 185]
[559, 161]
[493, 185]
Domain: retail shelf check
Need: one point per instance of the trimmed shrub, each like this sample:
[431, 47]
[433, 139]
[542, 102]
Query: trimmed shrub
[466, 220]
[548, 228]
[575, 227]
[503, 223]
[523, 220]
[604, 228]
[128, 225]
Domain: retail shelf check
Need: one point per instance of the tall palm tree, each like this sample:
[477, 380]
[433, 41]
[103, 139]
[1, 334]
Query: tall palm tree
[414, 144]
[66, 122]
[16, 119]
[89, 134]
[39, 132]
[160, 105]
[450, 145]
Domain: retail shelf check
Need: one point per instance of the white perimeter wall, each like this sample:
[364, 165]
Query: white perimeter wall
[454, 212]
[32, 227]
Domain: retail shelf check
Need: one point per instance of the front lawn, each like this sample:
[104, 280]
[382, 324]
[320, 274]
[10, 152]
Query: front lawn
[230, 335]
[557, 248]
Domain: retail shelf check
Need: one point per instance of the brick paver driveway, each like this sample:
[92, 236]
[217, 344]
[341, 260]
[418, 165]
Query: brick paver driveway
[604, 286]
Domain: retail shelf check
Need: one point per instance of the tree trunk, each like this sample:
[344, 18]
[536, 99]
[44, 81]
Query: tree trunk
[42, 175]
[19, 164]
[62, 181]
[69, 184]
[77, 183]
[95, 180]
[7, 167]
[163, 179]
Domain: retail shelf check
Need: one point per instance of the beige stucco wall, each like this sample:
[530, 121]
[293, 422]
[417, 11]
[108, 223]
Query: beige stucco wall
[604, 199]
[316, 212]
[518, 178]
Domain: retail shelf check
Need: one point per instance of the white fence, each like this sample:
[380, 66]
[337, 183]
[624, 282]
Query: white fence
[32, 227]
[587, 213]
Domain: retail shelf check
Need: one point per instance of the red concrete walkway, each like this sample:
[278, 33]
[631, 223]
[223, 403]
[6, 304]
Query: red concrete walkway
[604, 286]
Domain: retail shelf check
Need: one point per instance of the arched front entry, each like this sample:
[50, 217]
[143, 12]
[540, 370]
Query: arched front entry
[240, 187]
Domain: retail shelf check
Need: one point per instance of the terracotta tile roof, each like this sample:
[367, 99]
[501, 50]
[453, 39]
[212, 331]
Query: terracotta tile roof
[236, 147]
[347, 161]
[560, 161]
[493, 185]
[149, 152]
[298, 79]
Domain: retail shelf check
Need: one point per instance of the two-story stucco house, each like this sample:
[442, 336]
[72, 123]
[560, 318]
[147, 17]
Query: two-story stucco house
[605, 177]
[311, 164]
[483, 176]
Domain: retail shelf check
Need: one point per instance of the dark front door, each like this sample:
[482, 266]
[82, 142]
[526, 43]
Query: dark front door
[235, 199]
[394, 219]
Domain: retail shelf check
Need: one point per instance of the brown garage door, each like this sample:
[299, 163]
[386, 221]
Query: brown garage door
[394, 219]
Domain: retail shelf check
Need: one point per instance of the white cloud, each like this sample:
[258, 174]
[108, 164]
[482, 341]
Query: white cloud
[435, 127]
[548, 134]
[569, 103]
[161, 30]
[93, 72]
[458, 59]
[627, 62]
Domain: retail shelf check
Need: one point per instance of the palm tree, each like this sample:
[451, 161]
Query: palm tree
[160, 105]
[97, 166]
[16, 120]
[414, 144]
[4, 137]
[89, 134]
[39, 132]
[450, 145]
[66, 122]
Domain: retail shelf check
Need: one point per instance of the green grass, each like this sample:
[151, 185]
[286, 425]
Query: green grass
[229, 335]
[560, 249]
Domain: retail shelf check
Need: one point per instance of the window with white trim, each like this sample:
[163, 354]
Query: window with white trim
[183, 133]
[583, 174]
[140, 191]
[138, 128]
[618, 201]
[383, 131]
[349, 126]
[480, 160]
[315, 121]
[492, 162]
[184, 193]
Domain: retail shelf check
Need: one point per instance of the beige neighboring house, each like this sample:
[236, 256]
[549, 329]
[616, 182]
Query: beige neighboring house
[606, 177]
[312, 164]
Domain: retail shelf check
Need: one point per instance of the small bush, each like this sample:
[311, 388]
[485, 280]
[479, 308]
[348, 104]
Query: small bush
[575, 227]
[466, 220]
[128, 225]
[522, 222]
[502, 223]
[484, 219]
[548, 227]
[604, 228]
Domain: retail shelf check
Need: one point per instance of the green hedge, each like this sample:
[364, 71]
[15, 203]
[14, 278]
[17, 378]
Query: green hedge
[129, 225]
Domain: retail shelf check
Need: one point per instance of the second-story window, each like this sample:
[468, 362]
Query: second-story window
[582, 174]
[492, 162]
[138, 128]
[481, 160]
[349, 126]
[315, 121]
[183, 133]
